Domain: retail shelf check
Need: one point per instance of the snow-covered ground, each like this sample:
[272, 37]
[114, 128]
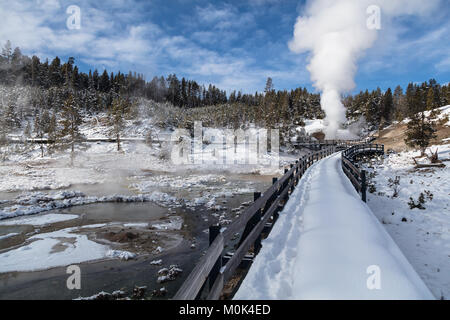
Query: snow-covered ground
[36, 192]
[423, 235]
[47, 250]
[138, 173]
[444, 113]
[40, 220]
[327, 244]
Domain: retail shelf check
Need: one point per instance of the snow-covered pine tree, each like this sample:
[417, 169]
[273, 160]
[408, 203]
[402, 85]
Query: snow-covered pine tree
[41, 127]
[52, 133]
[39, 131]
[119, 109]
[71, 120]
[7, 51]
[11, 119]
[373, 108]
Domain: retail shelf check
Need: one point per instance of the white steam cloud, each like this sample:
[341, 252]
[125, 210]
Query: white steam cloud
[336, 35]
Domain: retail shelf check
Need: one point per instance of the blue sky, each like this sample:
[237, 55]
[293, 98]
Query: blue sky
[233, 44]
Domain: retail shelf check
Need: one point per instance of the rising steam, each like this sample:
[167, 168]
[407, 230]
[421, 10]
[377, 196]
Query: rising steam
[336, 35]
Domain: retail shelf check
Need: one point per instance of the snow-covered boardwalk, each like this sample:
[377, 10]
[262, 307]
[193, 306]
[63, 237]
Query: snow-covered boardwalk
[327, 244]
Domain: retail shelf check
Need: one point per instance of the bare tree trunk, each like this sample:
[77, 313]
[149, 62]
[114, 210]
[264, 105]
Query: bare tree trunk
[72, 154]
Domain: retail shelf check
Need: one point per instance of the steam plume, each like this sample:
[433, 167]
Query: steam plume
[336, 35]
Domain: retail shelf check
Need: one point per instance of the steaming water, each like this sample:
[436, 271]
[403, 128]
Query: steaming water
[114, 274]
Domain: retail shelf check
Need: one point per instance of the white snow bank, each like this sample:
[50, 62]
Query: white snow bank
[313, 126]
[49, 250]
[39, 220]
[122, 255]
[422, 235]
[9, 235]
[443, 113]
[323, 244]
[34, 203]
[59, 248]
[174, 223]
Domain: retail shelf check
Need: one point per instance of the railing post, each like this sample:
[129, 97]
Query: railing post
[214, 231]
[257, 219]
[275, 214]
[252, 222]
[363, 185]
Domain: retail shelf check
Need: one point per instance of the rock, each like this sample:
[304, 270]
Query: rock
[138, 292]
[168, 274]
[118, 294]
[160, 293]
[156, 262]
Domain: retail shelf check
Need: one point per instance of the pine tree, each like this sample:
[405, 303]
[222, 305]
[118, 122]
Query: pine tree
[7, 52]
[55, 75]
[27, 131]
[400, 105]
[120, 108]
[39, 130]
[3, 140]
[53, 135]
[35, 79]
[432, 102]
[269, 85]
[11, 119]
[373, 107]
[104, 82]
[420, 131]
[388, 107]
[71, 120]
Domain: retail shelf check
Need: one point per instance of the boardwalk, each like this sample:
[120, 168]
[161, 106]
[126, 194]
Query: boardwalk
[324, 244]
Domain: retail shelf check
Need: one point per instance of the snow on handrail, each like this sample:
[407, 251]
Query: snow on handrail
[358, 177]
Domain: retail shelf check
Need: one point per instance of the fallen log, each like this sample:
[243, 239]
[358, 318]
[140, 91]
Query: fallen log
[431, 165]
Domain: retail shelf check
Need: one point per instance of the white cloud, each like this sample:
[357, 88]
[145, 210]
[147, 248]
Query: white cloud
[224, 17]
[216, 43]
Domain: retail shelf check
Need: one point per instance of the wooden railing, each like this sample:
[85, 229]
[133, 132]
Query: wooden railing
[257, 219]
[318, 145]
[358, 177]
